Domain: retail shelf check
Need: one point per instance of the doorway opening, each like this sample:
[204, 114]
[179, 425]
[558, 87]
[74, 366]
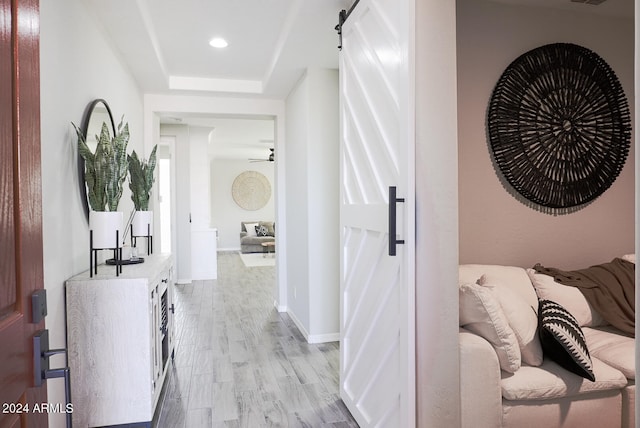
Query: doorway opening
[209, 153]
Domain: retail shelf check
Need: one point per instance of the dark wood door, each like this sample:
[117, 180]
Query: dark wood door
[21, 271]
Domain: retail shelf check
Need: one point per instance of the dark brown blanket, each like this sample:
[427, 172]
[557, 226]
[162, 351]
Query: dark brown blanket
[609, 288]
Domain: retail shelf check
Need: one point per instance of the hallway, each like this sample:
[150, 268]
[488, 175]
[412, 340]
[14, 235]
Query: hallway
[239, 363]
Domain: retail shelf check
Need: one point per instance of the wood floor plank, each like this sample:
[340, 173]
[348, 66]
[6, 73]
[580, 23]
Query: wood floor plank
[328, 407]
[179, 382]
[304, 419]
[251, 409]
[184, 355]
[198, 418]
[225, 403]
[266, 379]
[203, 362]
[281, 366]
[201, 391]
[188, 336]
[304, 370]
[223, 369]
[238, 351]
[173, 413]
[243, 377]
[294, 395]
[275, 414]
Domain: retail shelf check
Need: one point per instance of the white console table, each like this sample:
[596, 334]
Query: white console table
[120, 342]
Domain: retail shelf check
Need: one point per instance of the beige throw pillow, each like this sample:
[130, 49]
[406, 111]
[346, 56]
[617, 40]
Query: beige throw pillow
[523, 320]
[481, 313]
[569, 297]
[251, 229]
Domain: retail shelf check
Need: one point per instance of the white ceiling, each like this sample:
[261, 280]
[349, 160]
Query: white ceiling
[271, 42]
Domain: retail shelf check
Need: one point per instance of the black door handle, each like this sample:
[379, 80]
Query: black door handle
[42, 371]
[393, 241]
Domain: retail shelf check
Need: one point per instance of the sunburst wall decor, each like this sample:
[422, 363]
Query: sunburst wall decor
[251, 190]
[559, 126]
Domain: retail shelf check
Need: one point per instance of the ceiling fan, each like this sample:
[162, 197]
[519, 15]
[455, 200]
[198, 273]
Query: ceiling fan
[271, 157]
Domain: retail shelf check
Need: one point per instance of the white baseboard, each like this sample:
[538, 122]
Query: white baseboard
[298, 324]
[228, 249]
[183, 281]
[279, 308]
[324, 338]
[314, 338]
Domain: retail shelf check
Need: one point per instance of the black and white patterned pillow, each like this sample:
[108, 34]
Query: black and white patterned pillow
[563, 340]
[262, 231]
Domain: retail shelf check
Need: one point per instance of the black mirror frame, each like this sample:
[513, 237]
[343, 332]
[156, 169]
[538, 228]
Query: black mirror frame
[86, 119]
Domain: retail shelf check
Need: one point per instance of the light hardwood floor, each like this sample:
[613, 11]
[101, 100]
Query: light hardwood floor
[240, 363]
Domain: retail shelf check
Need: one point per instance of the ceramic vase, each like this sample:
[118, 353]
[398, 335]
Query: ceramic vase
[142, 223]
[104, 225]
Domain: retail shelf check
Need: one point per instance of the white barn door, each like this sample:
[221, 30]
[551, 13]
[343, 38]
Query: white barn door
[377, 356]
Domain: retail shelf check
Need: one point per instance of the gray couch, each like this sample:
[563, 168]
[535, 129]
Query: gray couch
[251, 242]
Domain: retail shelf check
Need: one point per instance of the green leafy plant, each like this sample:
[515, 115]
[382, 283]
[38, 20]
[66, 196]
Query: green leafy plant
[141, 179]
[106, 168]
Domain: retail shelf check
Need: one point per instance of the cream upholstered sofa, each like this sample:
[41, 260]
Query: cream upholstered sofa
[507, 384]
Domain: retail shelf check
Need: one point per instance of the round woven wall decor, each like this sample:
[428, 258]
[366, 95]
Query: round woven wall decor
[559, 126]
[251, 190]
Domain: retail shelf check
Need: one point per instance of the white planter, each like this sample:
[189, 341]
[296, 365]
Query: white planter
[142, 223]
[104, 225]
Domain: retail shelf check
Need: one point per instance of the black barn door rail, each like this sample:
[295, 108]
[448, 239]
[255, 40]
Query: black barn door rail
[342, 17]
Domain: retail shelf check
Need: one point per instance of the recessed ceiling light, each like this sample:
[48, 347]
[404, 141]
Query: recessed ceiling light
[218, 42]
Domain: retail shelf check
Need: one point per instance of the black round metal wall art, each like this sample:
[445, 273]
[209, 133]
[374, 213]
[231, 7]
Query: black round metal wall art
[559, 126]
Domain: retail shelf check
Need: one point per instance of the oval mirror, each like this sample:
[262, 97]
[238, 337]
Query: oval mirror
[96, 113]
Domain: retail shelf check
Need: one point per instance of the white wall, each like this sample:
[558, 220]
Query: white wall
[182, 258]
[313, 209]
[226, 215]
[297, 206]
[323, 189]
[494, 226]
[437, 363]
[200, 177]
[77, 65]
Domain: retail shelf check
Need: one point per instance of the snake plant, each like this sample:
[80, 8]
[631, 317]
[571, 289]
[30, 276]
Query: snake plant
[106, 169]
[141, 179]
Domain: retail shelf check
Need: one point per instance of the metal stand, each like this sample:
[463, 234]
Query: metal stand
[134, 239]
[93, 255]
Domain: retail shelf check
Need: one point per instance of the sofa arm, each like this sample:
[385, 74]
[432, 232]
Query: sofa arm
[243, 234]
[480, 391]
